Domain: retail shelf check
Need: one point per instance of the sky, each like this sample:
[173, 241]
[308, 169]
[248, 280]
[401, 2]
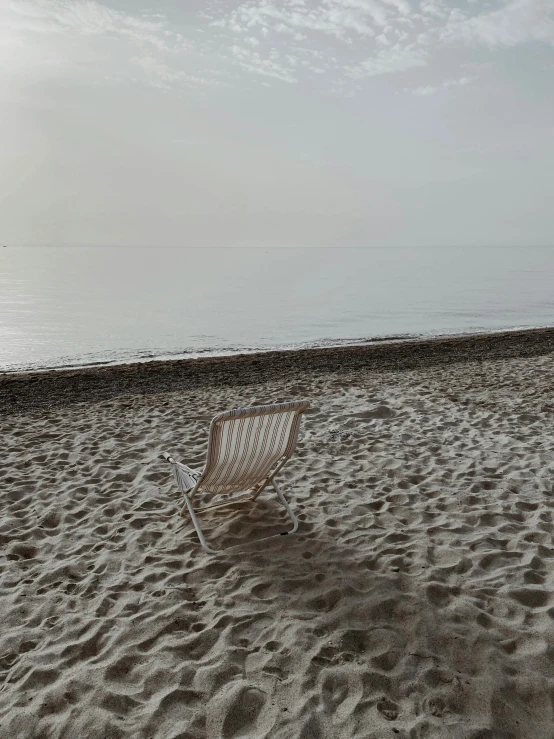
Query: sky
[277, 122]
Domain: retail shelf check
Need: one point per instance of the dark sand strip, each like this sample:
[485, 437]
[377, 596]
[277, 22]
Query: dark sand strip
[20, 392]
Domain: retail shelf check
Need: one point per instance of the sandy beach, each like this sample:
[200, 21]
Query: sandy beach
[415, 602]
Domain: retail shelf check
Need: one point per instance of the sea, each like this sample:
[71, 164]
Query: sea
[69, 306]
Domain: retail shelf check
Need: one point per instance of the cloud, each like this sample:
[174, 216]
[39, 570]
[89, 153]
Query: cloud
[395, 35]
[86, 18]
[516, 23]
[274, 65]
[87, 39]
[332, 43]
[426, 90]
[396, 59]
[337, 18]
[302, 27]
[163, 76]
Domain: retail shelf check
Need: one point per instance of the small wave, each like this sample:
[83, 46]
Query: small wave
[125, 356]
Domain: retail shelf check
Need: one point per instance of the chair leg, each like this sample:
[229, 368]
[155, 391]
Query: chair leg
[196, 525]
[204, 543]
[287, 508]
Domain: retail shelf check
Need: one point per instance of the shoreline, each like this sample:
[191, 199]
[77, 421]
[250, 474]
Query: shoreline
[44, 389]
[229, 352]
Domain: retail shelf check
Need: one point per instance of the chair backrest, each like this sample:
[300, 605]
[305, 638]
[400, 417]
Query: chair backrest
[246, 444]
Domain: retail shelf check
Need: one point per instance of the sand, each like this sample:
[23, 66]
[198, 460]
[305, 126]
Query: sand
[415, 601]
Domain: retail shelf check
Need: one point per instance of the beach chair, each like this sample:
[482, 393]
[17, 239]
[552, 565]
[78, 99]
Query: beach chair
[247, 447]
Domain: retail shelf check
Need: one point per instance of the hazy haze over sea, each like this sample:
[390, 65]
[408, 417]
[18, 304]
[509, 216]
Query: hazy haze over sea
[68, 306]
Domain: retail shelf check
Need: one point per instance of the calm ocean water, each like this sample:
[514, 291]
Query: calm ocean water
[62, 306]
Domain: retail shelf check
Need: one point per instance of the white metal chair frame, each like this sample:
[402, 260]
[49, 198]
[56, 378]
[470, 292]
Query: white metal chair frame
[228, 471]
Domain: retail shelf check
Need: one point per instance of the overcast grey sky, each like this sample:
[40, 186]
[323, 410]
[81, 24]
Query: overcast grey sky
[277, 122]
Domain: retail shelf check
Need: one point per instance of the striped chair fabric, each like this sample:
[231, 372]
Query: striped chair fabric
[246, 448]
[247, 444]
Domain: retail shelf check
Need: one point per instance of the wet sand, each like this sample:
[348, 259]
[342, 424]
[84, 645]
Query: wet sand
[28, 390]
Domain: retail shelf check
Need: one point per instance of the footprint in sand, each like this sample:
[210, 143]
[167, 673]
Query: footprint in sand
[388, 709]
[238, 711]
